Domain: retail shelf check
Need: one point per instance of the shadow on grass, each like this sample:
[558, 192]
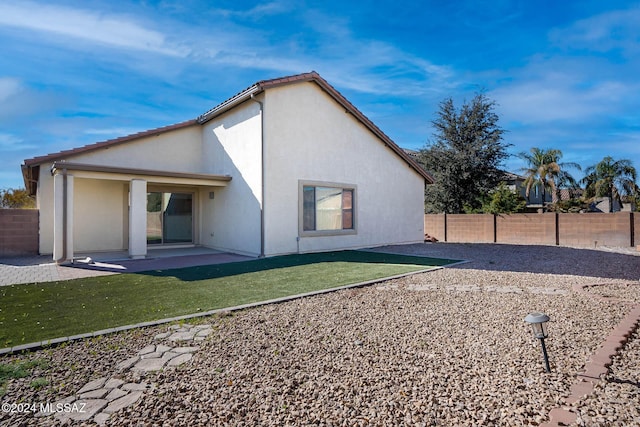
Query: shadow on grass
[188, 274]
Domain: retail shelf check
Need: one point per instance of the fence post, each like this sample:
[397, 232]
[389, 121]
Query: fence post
[632, 229]
[557, 229]
[495, 228]
[445, 226]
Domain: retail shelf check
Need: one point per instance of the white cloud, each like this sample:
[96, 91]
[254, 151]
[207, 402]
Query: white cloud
[9, 142]
[613, 30]
[554, 98]
[113, 30]
[258, 11]
[8, 88]
[325, 44]
[19, 102]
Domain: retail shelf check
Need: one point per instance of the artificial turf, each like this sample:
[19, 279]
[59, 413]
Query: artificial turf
[42, 311]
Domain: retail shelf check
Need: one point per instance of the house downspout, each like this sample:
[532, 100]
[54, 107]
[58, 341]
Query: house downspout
[253, 98]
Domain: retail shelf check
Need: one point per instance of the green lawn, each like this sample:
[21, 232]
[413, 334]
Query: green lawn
[41, 311]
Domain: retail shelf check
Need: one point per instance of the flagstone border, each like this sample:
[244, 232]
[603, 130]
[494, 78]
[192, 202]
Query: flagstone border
[598, 364]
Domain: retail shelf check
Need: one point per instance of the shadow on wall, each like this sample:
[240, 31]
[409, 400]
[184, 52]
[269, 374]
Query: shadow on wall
[231, 221]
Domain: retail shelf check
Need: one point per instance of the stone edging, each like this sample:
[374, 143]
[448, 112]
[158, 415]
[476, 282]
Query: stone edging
[598, 364]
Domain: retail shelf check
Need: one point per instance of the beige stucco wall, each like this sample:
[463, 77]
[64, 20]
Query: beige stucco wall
[100, 209]
[179, 150]
[44, 198]
[308, 136]
[99, 212]
[232, 146]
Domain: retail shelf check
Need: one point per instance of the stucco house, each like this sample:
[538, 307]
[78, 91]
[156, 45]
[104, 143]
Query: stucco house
[287, 165]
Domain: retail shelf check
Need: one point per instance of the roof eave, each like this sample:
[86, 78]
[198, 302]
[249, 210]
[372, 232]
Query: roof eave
[229, 103]
[29, 177]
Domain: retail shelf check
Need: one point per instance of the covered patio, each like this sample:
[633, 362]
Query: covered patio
[84, 193]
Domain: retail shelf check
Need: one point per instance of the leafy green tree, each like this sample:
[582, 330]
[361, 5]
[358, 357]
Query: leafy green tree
[545, 171]
[16, 198]
[465, 156]
[503, 200]
[611, 178]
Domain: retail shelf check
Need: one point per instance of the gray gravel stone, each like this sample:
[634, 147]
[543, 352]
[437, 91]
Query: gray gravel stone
[135, 386]
[89, 408]
[149, 365]
[183, 358]
[148, 349]
[123, 402]
[93, 385]
[127, 363]
[94, 394]
[113, 383]
[116, 393]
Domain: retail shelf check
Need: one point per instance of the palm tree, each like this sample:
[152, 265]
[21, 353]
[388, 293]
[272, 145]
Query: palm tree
[612, 179]
[545, 171]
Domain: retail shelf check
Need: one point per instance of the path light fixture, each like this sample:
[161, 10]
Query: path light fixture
[538, 322]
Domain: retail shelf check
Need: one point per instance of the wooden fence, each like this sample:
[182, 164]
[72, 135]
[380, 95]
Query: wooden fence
[566, 229]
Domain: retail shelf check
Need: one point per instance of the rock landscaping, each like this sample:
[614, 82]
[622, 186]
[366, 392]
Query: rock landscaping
[446, 347]
[100, 398]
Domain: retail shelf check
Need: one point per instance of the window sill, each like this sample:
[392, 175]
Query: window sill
[327, 233]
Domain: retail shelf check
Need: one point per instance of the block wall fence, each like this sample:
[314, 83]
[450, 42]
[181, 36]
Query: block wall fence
[18, 232]
[582, 230]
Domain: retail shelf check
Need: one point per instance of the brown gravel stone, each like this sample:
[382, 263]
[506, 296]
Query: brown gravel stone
[447, 347]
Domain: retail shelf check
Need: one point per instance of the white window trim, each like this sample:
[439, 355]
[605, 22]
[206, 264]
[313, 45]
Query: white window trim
[320, 233]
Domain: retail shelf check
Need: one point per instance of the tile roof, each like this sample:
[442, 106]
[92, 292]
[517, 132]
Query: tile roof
[230, 103]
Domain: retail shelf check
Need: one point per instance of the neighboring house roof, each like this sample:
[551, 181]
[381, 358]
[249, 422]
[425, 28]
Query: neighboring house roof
[29, 164]
[415, 155]
[509, 176]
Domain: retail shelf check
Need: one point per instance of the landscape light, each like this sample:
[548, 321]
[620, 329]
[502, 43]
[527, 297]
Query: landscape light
[538, 322]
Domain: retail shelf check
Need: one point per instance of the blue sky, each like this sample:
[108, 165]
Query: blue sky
[565, 74]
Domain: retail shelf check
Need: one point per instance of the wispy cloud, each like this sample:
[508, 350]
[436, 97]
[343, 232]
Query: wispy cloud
[8, 88]
[257, 12]
[328, 45]
[554, 98]
[19, 102]
[8, 141]
[87, 25]
[614, 30]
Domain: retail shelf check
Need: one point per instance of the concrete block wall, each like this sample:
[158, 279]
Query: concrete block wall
[18, 232]
[591, 230]
[471, 228]
[434, 226]
[581, 230]
[535, 229]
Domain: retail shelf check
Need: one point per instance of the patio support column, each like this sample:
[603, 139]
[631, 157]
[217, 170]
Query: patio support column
[62, 217]
[138, 218]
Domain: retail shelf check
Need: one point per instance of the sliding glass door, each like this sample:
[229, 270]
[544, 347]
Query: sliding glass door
[169, 218]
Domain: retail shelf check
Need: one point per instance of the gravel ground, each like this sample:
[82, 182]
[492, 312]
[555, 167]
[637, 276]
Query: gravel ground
[447, 347]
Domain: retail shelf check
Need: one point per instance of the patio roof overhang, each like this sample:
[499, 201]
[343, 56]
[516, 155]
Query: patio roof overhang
[81, 170]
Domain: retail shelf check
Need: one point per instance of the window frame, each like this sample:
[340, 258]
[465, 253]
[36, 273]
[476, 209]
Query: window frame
[324, 184]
